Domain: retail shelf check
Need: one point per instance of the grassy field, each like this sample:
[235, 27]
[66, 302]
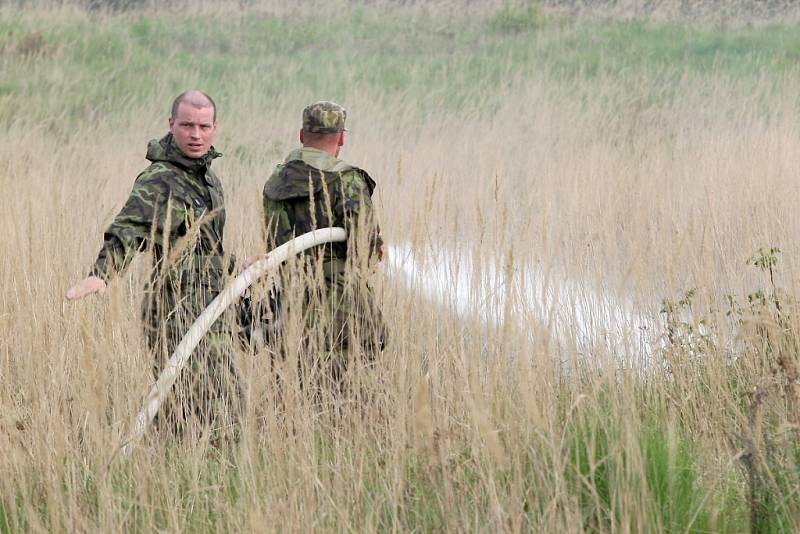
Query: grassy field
[654, 160]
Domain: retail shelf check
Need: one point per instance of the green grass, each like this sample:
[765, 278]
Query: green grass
[652, 47]
[206, 495]
[673, 480]
[5, 527]
[602, 466]
[459, 65]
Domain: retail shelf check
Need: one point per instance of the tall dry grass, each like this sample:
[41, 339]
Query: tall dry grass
[464, 425]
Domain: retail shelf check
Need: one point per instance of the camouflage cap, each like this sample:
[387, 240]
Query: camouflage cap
[324, 117]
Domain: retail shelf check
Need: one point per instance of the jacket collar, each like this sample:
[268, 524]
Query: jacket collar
[166, 150]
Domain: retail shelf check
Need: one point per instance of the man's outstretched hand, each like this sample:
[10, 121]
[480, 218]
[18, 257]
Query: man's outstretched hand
[87, 286]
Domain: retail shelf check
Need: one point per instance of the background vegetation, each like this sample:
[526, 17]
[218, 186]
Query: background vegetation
[648, 155]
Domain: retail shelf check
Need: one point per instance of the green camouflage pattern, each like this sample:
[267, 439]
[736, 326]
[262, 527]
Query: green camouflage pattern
[312, 189]
[175, 212]
[324, 117]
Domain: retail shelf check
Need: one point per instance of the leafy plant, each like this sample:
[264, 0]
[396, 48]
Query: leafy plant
[684, 331]
[770, 451]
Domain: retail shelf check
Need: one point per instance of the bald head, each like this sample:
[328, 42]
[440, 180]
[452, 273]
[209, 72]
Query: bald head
[193, 123]
[196, 99]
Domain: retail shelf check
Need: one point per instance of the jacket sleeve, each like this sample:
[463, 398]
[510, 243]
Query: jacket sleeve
[277, 226]
[148, 217]
[355, 208]
[276, 223]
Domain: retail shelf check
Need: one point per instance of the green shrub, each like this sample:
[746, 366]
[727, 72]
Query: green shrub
[516, 18]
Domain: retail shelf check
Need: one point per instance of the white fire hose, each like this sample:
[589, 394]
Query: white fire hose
[214, 310]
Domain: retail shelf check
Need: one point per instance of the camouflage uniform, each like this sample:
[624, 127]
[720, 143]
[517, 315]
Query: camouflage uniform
[176, 210]
[312, 189]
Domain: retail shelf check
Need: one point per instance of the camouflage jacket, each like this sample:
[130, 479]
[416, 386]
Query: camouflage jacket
[176, 210]
[312, 189]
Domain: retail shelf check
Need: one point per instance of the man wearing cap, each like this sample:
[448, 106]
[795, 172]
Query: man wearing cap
[176, 212]
[314, 189]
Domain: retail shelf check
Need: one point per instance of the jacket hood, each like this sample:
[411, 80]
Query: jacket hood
[166, 150]
[297, 178]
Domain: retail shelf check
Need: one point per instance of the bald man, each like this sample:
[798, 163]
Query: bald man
[176, 214]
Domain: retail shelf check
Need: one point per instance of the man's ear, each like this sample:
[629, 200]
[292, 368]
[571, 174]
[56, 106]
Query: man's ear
[171, 124]
[341, 138]
[302, 137]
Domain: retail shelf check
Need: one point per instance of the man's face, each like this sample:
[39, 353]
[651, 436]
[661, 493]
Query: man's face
[193, 129]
